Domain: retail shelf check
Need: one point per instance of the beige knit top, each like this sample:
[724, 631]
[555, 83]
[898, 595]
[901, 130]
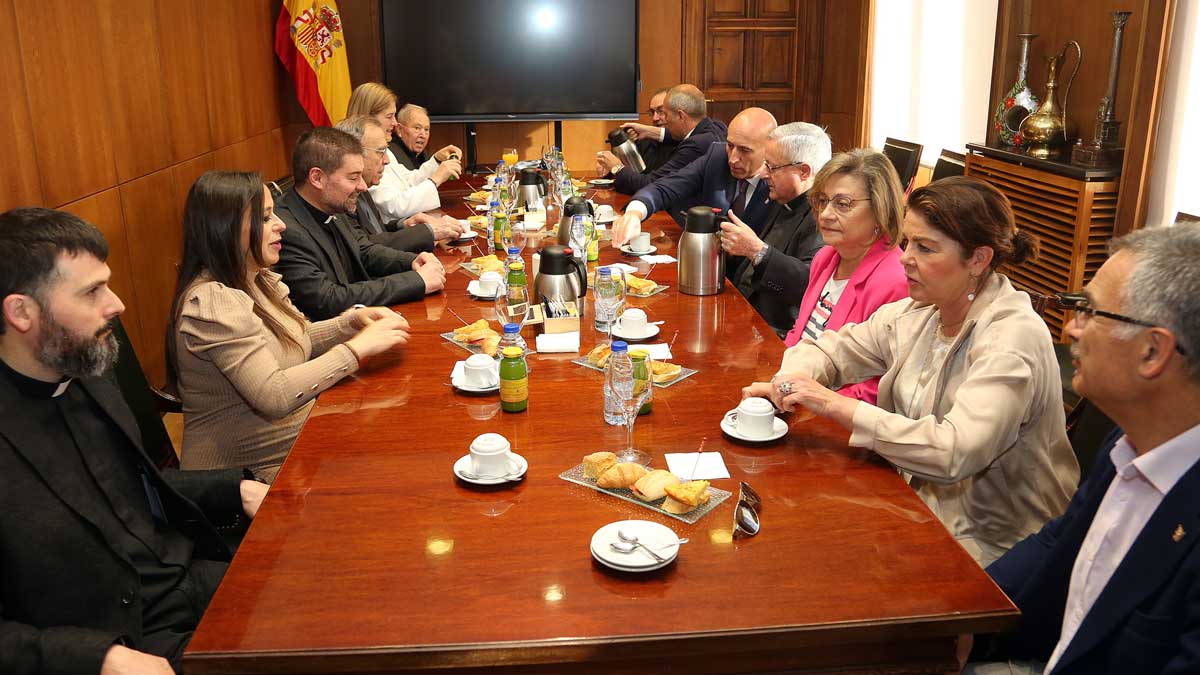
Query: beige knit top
[245, 393]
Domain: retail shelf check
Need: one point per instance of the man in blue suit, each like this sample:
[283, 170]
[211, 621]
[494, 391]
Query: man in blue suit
[725, 177]
[1113, 586]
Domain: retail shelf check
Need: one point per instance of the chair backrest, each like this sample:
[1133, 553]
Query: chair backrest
[949, 163]
[906, 157]
[280, 185]
[144, 401]
[1087, 428]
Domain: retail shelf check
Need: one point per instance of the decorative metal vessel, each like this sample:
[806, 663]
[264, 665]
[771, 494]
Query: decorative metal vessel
[1017, 103]
[1105, 148]
[1045, 131]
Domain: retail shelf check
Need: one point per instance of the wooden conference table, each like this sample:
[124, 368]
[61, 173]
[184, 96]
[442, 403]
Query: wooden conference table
[368, 555]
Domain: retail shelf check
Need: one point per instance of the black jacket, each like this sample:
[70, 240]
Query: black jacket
[776, 287]
[66, 595]
[319, 285]
[679, 154]
[369, 221]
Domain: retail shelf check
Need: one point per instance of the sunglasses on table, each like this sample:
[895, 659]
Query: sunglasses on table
[745, 514]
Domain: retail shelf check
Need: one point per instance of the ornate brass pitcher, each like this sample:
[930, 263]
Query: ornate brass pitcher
[1045, 131]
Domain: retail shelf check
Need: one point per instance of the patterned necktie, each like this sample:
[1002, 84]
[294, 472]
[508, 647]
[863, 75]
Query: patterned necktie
[739, 199]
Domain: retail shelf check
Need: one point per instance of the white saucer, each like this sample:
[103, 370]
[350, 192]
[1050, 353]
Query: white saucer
[599, 182]
[458, 380]
[658, 537]
[473, 289]
[729, 426]
[466, 236]
[518, 464]
[625, 249]
[651, 331]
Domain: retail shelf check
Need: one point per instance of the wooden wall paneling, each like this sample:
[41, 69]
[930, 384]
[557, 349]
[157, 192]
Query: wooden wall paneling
[182, 177]
[729, 9]
[781, 109]
[291, 134]
[183, 57]
[19, 184]
[660, 49]
[844, 74]
[582, 140]
[776, 9]
[693, 43]
[774, 60]
[360, 25]
[153, 226]
[527, 137]
[129, 42]
[224, 73]
[726, 55]
[279, 162]
[69, 100]
[260, 66]
[725, 110]
[103, 210]
[810, 54]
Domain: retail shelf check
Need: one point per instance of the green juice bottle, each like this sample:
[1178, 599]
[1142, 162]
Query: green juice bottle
[642, 378]
[499, 231]
[514, 380]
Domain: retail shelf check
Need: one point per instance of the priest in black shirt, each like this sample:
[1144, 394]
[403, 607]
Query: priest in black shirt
[106, 564]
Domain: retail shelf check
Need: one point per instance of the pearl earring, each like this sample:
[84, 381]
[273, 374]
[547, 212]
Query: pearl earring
[970, 297]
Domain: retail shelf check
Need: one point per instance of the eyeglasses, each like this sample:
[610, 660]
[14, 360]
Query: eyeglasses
[656, 111]
[1082, 308]
[417, 128]
[745, 514]
[842, 204]
[379, 151]
[773, 169]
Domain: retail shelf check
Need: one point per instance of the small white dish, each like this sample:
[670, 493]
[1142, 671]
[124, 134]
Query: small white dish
[617, 331]
[599, 182]
[625, 249]
[482, 207]
[473, 289]
[517, 465]
[459, 380]
[779, 429]
[659, 538]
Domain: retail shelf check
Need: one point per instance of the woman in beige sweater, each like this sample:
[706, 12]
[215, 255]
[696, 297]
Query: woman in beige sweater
[247, 364]
[970, 398]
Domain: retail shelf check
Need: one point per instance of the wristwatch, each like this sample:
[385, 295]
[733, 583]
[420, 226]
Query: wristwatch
[758, 257]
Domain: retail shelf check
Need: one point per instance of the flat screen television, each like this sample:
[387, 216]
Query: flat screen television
[488, 60]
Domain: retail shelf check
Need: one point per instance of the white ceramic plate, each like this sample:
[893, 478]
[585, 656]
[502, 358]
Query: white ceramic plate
[458, 379]
[729, 426]
[518, 464]
[619, 332]
[629, 251]
[658, 537]
[601, 182]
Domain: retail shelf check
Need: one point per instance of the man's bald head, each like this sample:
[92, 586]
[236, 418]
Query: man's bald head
[746, 143]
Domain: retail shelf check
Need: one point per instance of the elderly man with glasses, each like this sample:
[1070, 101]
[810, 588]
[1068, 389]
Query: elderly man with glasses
[771, 268]
[1113, 586]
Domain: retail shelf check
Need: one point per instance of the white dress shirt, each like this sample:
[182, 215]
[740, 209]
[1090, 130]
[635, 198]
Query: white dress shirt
[1132, 497]
[402, 192]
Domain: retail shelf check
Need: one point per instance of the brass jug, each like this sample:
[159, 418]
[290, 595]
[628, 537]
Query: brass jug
[1045, 131]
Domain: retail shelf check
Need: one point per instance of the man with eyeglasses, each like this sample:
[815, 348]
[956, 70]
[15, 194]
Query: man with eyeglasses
[725, 177]
[411, 137]
[771, 268]
[653, 142]
[684, 120]
[419, 232]
[1113, 586]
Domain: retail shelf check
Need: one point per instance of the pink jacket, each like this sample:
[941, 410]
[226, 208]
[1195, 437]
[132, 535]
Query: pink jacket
[878, 280]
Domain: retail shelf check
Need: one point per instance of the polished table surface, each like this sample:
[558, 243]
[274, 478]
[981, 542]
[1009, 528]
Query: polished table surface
[368, 555]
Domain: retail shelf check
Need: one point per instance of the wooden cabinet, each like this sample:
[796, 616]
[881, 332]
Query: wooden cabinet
[1073, 219]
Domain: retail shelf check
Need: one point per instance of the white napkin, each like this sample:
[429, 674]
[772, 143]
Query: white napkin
[659, 351]
[558, 342]
[622, 267]
[710, 465]
[656, 259]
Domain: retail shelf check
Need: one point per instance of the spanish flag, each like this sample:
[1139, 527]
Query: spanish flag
[310, 43]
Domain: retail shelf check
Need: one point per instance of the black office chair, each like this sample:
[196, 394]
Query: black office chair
[147, 403]
[280, 185]
[949, 163]
[1087, 428]
[906, 157]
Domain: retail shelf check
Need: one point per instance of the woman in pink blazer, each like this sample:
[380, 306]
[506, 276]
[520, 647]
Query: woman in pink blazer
[859, 205]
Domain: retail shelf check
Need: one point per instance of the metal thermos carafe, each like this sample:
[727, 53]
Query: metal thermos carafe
[625, 150]
[701, 261]
[574, 206]
[561, 276]
[530, 188]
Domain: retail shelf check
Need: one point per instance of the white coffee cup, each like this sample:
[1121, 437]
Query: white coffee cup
[755, 417]
[640, 243]
[633, 322]
[605, 213]
[479, 370]
[490, 455]
[488, 283]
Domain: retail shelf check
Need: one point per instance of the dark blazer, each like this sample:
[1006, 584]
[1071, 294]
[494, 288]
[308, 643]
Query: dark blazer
[679, 155]
[776, 287]
[66, 595]
[319, 286]
[370, 223]
[1146, 620]
[706, 180]
[405, 156]
[654, 153]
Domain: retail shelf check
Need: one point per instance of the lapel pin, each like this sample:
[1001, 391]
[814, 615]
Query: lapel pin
[1179, 533]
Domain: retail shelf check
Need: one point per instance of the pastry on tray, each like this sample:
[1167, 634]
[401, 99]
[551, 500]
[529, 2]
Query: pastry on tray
[621, 475]
[665, 371]
[653, 485]
[480, 334]
[597, 463]
[488, 263]
[599, 355]
[686, 496]
[639, 285]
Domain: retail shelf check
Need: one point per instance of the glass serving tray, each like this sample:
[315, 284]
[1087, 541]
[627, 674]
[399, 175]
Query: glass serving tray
[683, 374]
[576, 475]
[474, 349]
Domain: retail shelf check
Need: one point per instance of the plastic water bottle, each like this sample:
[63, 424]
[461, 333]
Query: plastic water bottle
[607, 299]
[512, 338]
[514, 255]
[493, 211]
[619, 375]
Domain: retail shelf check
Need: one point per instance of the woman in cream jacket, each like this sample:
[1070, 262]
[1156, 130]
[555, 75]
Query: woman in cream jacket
[970, 403]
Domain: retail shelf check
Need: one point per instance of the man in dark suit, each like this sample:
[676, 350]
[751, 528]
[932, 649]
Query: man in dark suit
[327, 266]
[1113, 586]
[653, 142]
[684, 120]
[416, 234]
[725, 177]
[772, 266]
[106, 564]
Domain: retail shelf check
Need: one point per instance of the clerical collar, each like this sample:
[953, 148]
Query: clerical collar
[318, 215]
[797, 202]
[31, 387]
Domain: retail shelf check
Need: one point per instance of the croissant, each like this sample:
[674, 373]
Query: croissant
[653, 485]
[622, 475]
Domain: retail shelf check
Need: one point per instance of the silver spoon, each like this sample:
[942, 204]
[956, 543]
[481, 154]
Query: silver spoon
[631, 541]
[626, 547]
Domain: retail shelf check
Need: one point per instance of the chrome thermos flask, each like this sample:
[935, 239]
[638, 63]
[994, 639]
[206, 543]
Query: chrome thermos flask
[625, 150]
[701, 260]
